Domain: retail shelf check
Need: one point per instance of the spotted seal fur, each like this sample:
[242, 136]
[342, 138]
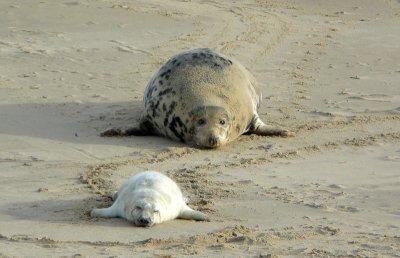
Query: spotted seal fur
[201, 97]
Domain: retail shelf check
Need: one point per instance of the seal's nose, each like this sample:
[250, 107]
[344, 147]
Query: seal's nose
[213, 141]
[143, 221]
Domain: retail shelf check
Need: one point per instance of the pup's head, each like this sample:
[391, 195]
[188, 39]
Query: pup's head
[145, 213]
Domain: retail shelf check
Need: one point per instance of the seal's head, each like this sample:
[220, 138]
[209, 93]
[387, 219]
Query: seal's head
[210, 126]
[145, 212]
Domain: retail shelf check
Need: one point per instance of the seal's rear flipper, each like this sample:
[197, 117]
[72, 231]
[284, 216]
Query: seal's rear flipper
[193, 215]
[258, 127]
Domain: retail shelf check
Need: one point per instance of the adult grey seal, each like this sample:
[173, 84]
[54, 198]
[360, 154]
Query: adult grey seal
[201, 97]
[149, 198]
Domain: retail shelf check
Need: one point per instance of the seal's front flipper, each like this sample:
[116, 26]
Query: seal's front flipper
[258, 127]
[144, 128]
[131, 131]
[193, 215]
[104, 213]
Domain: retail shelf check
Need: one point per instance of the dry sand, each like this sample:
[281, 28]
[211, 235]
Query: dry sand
[329, 70]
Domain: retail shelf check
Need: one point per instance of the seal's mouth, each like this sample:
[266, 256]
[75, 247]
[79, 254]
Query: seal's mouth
[211, 143]
[145, 225]
[214, 142]
[144, 222]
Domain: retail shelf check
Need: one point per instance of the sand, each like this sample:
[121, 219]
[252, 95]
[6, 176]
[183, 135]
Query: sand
[329, 71]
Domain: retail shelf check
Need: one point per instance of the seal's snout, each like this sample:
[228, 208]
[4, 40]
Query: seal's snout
[213, 141]
[144, 222]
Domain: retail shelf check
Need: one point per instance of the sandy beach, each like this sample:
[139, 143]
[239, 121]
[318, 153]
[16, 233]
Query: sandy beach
[328, 70]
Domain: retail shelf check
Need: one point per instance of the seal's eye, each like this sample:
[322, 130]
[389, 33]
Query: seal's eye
[222, 121]
[156, 211]
[201, 122]
[138, 208]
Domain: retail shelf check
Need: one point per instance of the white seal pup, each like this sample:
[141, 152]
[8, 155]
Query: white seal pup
[149, 198]
[203, 98]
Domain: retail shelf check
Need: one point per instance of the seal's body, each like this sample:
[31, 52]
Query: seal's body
[203, 98]
[149, 198]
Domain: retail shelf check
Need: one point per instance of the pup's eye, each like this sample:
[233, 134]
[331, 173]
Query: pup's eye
[222, 121]
[138, 207]
[156, 211]
[201, 122]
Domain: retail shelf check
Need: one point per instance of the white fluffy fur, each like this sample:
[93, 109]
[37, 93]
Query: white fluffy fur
[149, 198]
